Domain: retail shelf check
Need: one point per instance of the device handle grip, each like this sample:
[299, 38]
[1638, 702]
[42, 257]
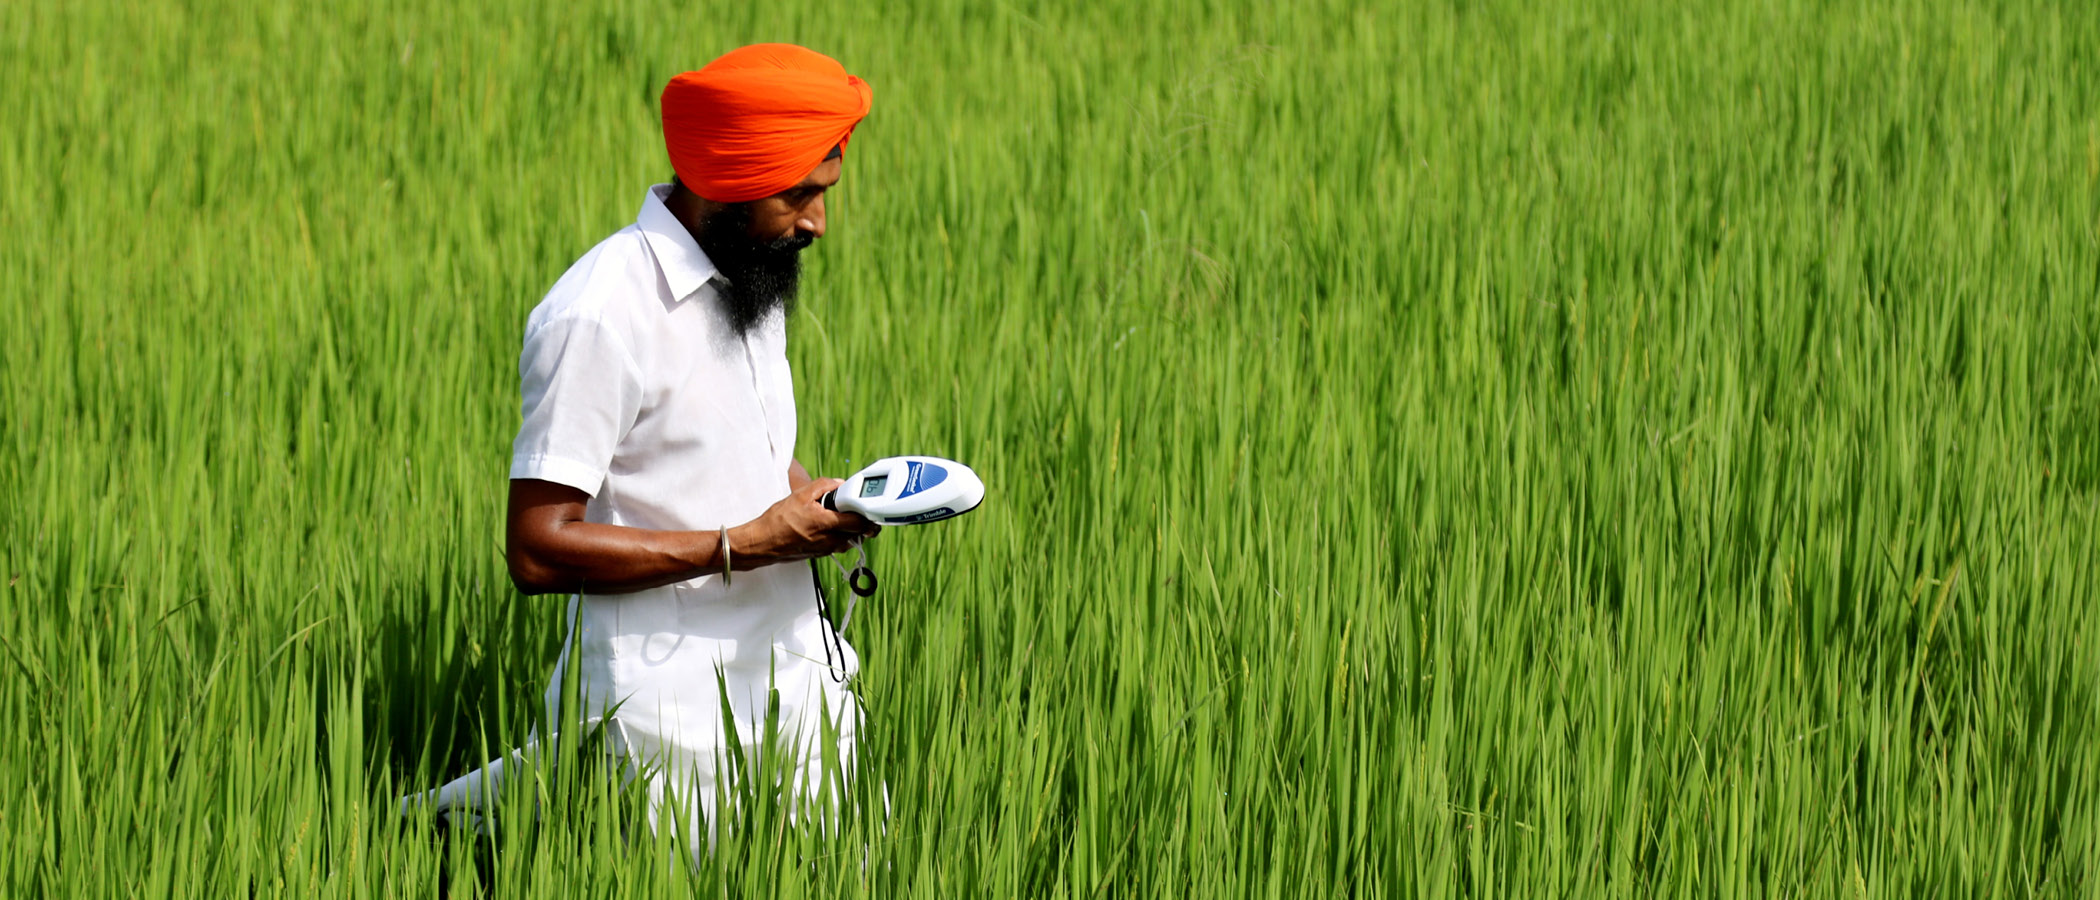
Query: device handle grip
[830, 500]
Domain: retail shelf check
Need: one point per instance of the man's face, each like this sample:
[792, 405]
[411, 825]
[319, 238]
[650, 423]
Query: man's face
[757, 245]
[797, 212]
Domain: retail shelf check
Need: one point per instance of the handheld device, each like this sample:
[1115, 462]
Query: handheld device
[900, 490]
[908, 490]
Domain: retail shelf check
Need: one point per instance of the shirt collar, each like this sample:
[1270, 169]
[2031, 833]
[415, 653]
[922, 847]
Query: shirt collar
[685, 266]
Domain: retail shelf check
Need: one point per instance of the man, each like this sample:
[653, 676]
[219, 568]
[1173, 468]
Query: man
[654, 475]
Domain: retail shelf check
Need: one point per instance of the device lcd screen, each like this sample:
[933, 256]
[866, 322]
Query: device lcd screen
[873, 486]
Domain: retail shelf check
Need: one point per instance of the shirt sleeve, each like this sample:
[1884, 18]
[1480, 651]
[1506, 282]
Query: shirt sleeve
[582, 392]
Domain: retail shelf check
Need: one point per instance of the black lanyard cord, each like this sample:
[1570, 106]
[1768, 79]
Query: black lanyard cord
[862, 583]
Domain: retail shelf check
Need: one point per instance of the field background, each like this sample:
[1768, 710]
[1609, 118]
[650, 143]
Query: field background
[1601, 449]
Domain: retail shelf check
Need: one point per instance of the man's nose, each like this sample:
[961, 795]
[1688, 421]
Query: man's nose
[812, 221]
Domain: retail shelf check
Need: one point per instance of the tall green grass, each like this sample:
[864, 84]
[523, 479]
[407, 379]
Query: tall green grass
[1434, 449]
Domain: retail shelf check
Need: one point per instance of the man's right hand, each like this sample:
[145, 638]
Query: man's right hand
[797, 528]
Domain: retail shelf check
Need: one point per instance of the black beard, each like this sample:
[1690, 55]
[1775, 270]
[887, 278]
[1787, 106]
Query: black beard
[763, 275]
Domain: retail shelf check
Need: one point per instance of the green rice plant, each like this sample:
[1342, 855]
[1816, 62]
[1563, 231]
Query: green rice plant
[1434, 449]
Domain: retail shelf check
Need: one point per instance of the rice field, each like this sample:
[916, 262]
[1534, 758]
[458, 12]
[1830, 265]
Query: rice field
[1434, 449]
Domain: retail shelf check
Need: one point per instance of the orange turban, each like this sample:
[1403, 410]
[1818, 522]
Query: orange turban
[759, 118]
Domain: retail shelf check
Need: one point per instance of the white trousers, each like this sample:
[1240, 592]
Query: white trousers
[685, 711]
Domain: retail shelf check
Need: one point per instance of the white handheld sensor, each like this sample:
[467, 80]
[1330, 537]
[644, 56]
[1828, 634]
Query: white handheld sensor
[908, 490]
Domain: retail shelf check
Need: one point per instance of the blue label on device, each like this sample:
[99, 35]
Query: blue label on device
[919, 476]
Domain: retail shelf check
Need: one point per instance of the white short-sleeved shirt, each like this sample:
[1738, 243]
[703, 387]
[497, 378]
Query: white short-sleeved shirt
[638, 393]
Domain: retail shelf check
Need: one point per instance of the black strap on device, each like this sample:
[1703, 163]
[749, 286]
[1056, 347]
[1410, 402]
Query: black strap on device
[862, 583]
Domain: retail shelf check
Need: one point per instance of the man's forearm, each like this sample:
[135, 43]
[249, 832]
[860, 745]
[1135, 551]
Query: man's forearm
[616, 559]
[551, 547]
